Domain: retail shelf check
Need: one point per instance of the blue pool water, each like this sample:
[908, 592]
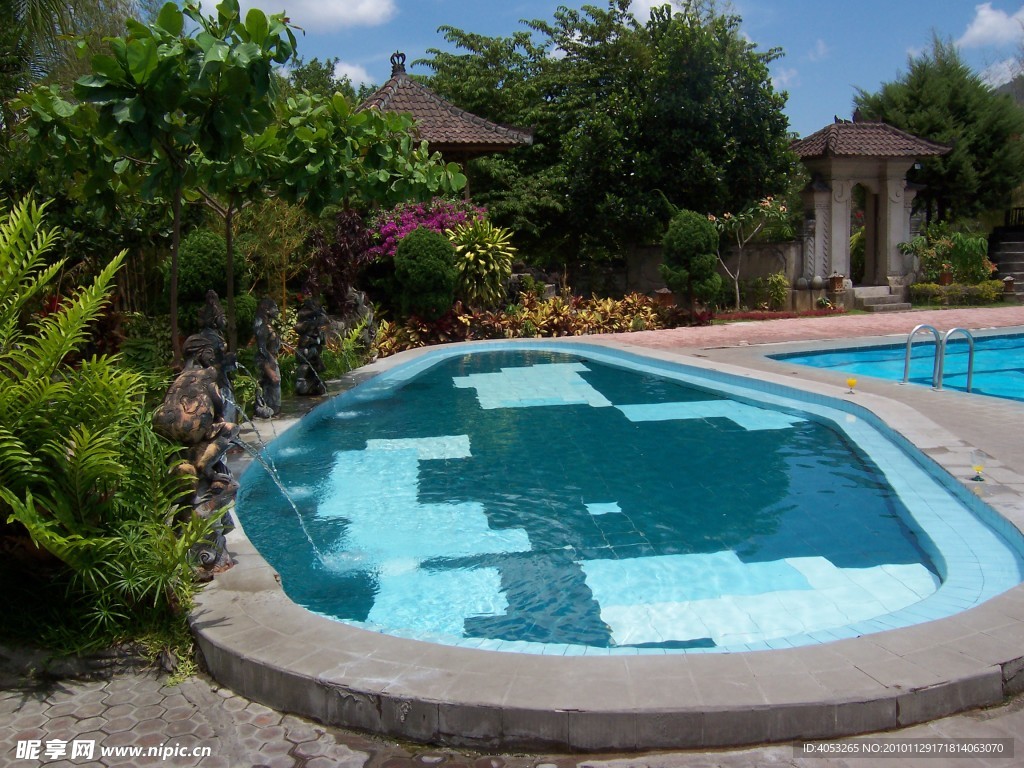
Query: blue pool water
[998, 363]
[568, 499]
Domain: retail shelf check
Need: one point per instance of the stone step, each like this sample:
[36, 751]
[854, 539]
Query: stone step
[902, 306]
[887, 299]
[870, 291]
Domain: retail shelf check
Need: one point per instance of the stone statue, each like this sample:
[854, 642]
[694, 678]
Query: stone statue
[310, 328]
[359, 314]
[192, 414]
[268, 347]
[208, 348]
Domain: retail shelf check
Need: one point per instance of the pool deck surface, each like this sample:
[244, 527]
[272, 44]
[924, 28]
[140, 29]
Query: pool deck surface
[965, 662]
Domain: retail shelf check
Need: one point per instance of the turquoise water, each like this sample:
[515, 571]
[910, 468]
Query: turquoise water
[532, 500]
[998, 363]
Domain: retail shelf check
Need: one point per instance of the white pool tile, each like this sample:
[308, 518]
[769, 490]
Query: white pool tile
[603, 508]
[533, 386]
[749, 417]
[444, 447]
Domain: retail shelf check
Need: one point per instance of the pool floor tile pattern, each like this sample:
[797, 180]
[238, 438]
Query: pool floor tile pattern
[753, 595]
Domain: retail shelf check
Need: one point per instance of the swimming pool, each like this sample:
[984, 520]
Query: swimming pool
[998, 363]
[565, 499]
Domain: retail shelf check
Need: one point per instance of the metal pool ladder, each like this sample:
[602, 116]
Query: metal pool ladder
[940, 354]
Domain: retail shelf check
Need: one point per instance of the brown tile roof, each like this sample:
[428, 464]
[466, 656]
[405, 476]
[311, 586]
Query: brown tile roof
[445, 127]
[859, 139]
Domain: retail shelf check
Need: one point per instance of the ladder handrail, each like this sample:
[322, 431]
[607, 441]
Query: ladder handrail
[970, 356]
[936, 368]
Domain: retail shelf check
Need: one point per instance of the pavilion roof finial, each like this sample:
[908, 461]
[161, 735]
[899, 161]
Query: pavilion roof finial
[397, 63]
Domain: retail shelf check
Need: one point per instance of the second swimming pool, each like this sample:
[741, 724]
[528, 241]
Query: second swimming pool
[571, 500]
[998, 363]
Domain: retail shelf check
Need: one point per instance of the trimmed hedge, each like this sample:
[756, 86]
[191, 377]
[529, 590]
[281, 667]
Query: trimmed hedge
[957, 294]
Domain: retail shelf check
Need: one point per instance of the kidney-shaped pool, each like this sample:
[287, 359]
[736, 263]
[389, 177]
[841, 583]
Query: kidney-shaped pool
[572, 499]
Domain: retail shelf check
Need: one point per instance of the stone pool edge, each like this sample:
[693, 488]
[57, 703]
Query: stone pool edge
[263, 646]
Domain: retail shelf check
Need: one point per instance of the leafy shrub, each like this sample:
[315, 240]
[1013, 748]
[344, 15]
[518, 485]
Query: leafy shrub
[82, 473]
[777, 286]
[426, 273]
[337, 255]
[939, 249]
[691, 257]
[483, 258]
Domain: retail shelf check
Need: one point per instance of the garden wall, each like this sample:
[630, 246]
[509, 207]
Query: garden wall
[759, 260]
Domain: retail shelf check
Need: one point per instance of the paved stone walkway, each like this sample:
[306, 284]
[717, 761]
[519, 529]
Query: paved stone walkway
[133, 709]
[136, 710]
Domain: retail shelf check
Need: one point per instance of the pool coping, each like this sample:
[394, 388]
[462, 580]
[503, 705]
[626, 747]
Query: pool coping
[260, 644]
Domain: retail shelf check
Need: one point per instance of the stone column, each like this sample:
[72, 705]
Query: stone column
[837, 258]
[893, 222]
[816, 243]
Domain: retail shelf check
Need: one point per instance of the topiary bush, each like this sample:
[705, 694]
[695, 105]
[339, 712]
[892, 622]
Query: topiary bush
[202, 265]
[426, 274]
[957, 294]
[690, 265]
[245, 315]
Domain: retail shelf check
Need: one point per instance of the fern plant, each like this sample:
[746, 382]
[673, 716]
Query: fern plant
[483, 257]
[81, 470]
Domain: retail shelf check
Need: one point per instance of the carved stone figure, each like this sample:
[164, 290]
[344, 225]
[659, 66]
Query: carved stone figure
[268, 347]
[359, 314]
[208, 348]
[311, 329]
[192, 414]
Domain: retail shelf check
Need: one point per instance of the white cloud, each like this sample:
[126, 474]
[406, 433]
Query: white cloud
[357, 74]
[641, 9]
[991, 26]
[321, 15]
[785, 77]
[1001, 72]
[819, 51]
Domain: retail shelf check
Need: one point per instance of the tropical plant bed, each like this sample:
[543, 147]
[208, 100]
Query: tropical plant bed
[532, 317]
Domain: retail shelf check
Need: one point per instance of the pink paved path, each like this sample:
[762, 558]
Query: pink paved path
[837, 327]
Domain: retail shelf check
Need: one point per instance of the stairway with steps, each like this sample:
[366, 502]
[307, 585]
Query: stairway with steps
[878, 298]
[1006, 251]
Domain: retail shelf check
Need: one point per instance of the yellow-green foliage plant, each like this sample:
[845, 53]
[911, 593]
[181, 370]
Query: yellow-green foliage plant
[483, 258]
[82, 474]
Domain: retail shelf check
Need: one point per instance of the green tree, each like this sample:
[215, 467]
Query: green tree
[162, 102]
[315, 76]
[741, 228]
[939, 98]
[620, 110]
[336, 156]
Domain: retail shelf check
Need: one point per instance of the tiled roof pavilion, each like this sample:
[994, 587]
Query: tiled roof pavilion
[455, 133]
[862, 139]
[875, 157]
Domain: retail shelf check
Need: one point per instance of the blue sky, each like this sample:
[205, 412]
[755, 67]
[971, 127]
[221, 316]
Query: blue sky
[831, 47]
